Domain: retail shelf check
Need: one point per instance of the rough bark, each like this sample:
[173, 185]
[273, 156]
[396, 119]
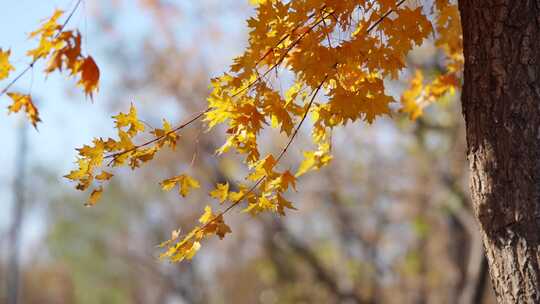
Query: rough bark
[501, 105]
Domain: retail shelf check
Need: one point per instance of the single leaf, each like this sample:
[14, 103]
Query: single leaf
[190, 253]
[89, 76]
[24, 101]
[315, 159]
[207, 215]
[262, 168]
[129, 120]
[287, 179]
[104, 175]
[5, 66]
[221, 228]
[185, 183]
[49, 27]
[95, 196]
[221, 192]
[282, 203]
[47, 37]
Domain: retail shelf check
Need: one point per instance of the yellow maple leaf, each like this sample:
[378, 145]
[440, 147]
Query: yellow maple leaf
[49, 27]
[80, 173]
[48, 40]
[169, 184]
[104, 175]
[93, 153]
[242, 193]
[190, 253]
[207, 215]
[221, 192]
[94, 197]
[5, 66]
[262, 168]
[185, 249]
[261, 204]
[409, 98]
[256, 2]
[282, 203]
[141, 155]
[213, 224]
[185, 183]
[420, 95]
[168, 137]
[284, 181]
[315, 159]
[24, 101]
[129, 120]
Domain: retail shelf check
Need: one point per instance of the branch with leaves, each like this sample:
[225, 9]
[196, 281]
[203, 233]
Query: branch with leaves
[346, 49]
[62, 48]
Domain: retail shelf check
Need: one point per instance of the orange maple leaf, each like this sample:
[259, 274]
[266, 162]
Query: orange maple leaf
[24, 101]
[89, 76]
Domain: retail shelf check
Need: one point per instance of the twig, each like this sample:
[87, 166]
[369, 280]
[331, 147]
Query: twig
[31, 65]
[282, 58]
[260, 180]
[384, 16]
[115, 156]
[303, 118]
[285, 37]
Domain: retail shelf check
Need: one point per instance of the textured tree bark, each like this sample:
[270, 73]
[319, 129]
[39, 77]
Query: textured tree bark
[501, 105]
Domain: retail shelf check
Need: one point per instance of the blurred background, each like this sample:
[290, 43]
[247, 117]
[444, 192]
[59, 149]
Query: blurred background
[387, 222]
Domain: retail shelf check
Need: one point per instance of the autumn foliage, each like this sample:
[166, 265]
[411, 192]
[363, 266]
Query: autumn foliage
[325, 63]
[62, 50]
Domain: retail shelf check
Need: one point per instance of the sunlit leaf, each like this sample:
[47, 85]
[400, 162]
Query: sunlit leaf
[5, 65]
[24, 102]
[185, 184]
[95, 196]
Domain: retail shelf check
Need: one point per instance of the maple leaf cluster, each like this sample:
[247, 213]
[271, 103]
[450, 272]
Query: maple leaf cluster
[120, 151]
[62, 48]
[328, 48]
[337, 55]
[420, 95]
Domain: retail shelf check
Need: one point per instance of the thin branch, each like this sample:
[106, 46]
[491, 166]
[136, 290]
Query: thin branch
[283, 151]
[303, 119]
[260, 180]
[115, 156]
[285, 37]
[384, 16]
[328, 35]
[31, 65]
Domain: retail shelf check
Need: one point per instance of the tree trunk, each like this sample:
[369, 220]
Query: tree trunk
[501, 105]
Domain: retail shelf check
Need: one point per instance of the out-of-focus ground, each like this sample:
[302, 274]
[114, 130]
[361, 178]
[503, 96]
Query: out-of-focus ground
[388, 222]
